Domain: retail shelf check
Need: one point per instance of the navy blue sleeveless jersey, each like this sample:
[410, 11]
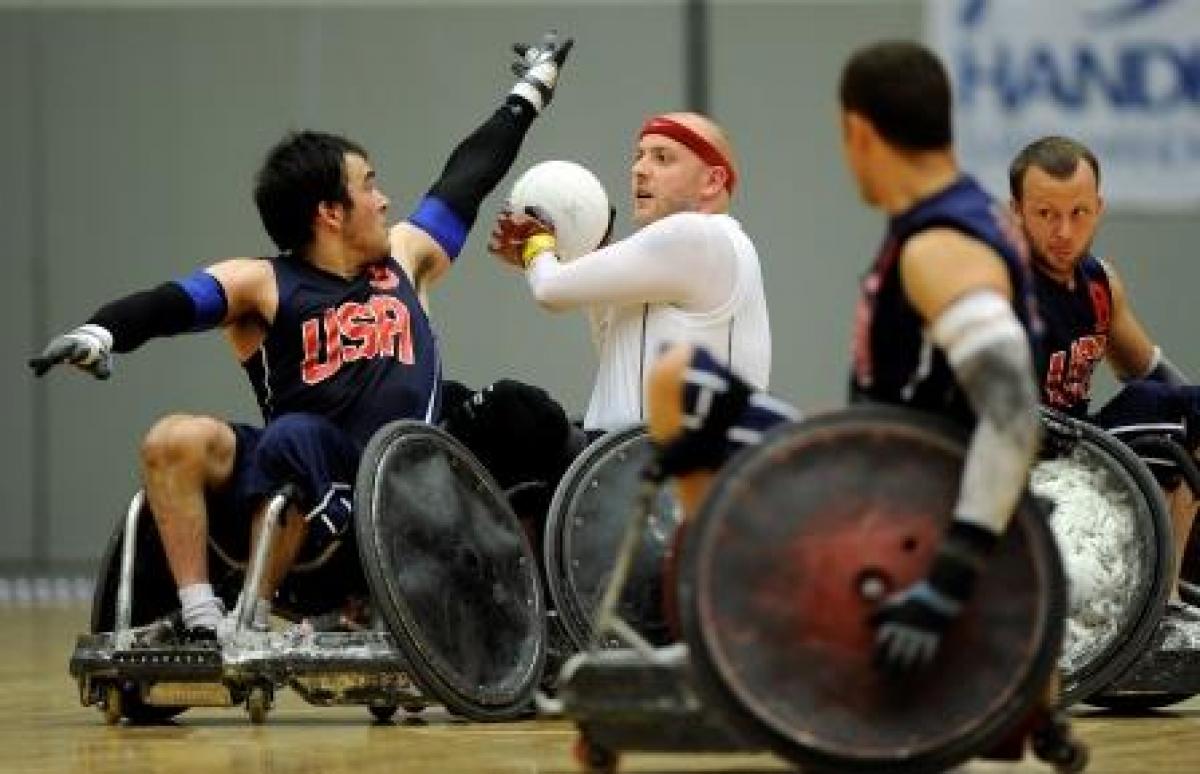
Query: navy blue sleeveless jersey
[360, 352]
[1077, 317]
[893, 361]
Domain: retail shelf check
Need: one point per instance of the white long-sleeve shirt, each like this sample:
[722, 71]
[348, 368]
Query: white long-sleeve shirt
[688, 277]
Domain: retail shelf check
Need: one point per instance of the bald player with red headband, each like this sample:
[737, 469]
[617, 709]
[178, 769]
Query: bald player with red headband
[688, 274]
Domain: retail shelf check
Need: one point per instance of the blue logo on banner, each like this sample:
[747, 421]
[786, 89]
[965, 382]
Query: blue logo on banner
[1128, 10]
[1145, 75]
[973, 11]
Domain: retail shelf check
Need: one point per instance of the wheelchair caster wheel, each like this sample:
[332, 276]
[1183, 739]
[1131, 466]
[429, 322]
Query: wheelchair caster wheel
[1073, 760]
[1061, 750]
[113, 705]
[383, 713]
[594, 759]
[258, 703]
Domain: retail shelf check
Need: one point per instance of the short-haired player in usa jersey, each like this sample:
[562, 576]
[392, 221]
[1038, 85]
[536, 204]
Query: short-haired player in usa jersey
[1055, 187]
[944, 324]
[689, 273]
[333, 335]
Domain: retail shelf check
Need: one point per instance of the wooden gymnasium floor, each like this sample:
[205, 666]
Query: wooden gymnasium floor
[44, 729]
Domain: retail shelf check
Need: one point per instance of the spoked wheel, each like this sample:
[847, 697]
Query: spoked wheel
[451, 572]
[783, 566]
[585, 525]
[1103, 491]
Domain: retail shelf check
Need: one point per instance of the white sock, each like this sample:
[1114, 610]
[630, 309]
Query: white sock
[200, 606]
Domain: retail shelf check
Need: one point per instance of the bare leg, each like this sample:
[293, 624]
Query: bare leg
[1182, 502]
[182, 458]
[289, 539]
[665, 420]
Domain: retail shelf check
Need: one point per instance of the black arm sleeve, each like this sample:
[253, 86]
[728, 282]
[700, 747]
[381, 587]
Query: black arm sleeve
[135, 319]
[483, 159]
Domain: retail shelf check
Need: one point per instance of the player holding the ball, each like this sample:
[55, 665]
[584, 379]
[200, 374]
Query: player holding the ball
[688, 274]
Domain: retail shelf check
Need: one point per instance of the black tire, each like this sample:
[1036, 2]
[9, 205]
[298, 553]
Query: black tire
[435, 676]
[756, 716]
[383, 713]
[1137, 702]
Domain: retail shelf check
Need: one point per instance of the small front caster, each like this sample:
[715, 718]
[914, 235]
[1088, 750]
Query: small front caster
[258, 703]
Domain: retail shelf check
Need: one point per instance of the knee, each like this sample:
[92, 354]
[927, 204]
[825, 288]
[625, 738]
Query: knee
[664, 390]
[184, 443]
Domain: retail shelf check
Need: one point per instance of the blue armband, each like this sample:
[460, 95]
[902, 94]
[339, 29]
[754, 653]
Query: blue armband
[436, 218]
[208, 299]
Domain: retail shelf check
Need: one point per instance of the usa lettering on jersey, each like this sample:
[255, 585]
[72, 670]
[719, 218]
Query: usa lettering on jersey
[1069, 376]
[356, 331]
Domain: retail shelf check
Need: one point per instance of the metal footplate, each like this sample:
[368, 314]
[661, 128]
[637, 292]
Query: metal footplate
[623, 701]
[325, 668]
[95, 656]
[337, 668]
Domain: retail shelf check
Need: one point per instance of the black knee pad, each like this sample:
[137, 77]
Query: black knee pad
[516, 430]
[706, 447]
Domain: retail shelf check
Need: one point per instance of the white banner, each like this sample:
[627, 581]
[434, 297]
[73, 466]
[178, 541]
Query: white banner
[1122, 76]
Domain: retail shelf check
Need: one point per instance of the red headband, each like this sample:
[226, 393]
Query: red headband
[694, 142]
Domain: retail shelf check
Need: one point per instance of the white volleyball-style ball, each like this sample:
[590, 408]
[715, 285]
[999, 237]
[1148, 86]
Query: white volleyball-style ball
[572, 197]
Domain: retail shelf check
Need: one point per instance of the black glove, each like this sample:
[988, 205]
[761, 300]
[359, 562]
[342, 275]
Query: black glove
[909, 624]
[538, 66]
[89, 347]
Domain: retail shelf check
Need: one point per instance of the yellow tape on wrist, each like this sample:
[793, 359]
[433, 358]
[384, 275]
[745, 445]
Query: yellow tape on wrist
[536, 245]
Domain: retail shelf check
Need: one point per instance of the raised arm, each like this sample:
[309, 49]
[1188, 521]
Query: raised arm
[433, 235]
[205, 299]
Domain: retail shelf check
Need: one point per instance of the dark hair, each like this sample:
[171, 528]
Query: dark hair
[903, 90]
[1056, 156]
[303, 170]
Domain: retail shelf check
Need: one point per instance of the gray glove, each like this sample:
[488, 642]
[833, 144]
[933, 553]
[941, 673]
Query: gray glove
[538, 65]
[909, 625]
[89, 347]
